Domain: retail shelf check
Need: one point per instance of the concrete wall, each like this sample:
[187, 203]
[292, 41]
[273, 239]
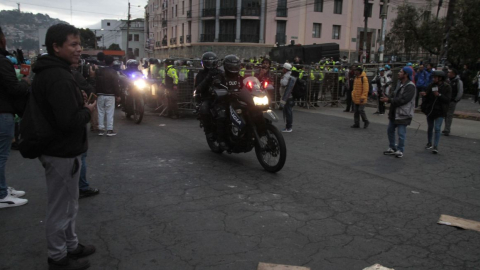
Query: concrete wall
[196, 51]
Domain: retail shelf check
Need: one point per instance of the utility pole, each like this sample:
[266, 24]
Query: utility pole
[381, 50]
[439, 6]
[18, 4]
[365, 36]
[128, 29]
[448, 26]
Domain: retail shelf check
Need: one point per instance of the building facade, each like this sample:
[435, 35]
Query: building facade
[187, 28]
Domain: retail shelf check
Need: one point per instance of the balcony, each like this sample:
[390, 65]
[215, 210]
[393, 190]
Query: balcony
[282, 12]
[189, 14]
[250, 38]
[210, 12]
[164, 42]
[251, 11]
[173, 41]
[281, 39]
[230, 11]
[226, 38]
[207, 38]
[181, 39]
[189, 39]
[164, 23]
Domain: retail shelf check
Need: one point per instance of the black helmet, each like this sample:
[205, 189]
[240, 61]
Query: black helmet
[132, 63]
[152, 61]
[438, 73]
[117, 65]
[168, 62]
[209, 60]
[231, 63]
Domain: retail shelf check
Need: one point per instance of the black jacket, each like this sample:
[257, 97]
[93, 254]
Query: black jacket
[107, 82]
[11, 90]
[82, 82]
[434, 107]
[61, 101]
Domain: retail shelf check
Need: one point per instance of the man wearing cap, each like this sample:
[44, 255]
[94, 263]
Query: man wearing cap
[287, 99]
[359, 97]
[400, 115]
[435, 107]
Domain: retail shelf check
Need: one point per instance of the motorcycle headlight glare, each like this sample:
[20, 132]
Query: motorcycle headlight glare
[260, 101]
[140, 84]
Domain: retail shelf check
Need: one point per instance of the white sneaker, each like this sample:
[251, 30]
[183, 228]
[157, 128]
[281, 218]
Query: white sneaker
[287, 130]
[15, 193]
[11, 201]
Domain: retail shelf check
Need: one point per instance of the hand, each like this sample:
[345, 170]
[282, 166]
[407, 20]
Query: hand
[435, 93]
[91, 106]
[384, 99]
[423, 94]
[26, 79]
[85, 97]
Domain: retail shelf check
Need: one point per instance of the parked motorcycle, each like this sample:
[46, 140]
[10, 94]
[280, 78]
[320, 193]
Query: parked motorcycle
[135, 96]
[250, 124]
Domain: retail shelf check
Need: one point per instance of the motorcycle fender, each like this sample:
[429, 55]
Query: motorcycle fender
[270, 115]
[236, 119]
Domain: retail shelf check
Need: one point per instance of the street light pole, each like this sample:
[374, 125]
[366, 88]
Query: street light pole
[365, 34]
[95, 39]
[381, 50]
[128, 28]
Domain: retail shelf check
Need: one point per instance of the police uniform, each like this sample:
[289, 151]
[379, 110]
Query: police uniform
[171, 84]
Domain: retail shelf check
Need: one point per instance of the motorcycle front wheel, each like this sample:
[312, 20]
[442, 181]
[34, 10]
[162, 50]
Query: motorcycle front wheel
[271, 150]
[214, 145]
[138, 109]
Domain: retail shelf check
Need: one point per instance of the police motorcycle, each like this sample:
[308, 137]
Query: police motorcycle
[134, 88]
[249, 120]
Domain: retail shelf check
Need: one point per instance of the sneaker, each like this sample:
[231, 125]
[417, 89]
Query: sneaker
[10, 201]
[389, 151]
[287, 130]
[81, 251]
[68, 264]
[111, 133]
[15, 193]
[376, 113]
[88, 193]
[366, 124]
[435, 150]
[101, 132]
[446, 133]
[428, 146]
[355, 126]
[398, 154]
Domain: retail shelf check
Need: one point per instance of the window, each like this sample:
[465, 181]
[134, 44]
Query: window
[336, 32]
[317, 30]
[176, 11]
[130, 37]
[108, 24]
[173, 13]
[137, 52]
[381, 11]
[368, 10]
[280, 37]
[318, 6]
[136, 37]
[338, 7]
[183, 7]
[426, 15]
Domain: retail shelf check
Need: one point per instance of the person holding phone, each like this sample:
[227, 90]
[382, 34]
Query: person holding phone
[435, 107]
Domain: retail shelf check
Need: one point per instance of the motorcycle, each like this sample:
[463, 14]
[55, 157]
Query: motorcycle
[135, 96]
[249, 124]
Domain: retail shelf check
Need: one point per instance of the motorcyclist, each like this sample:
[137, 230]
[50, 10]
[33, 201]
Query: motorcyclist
[132, 69]
[131, 72]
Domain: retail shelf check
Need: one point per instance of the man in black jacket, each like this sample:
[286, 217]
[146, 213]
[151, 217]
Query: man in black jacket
[107, 86]
[11, 92]
[63, 106]
[435, 106]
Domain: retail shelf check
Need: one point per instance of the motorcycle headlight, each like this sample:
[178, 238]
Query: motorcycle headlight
[140, 84]
[260, 101]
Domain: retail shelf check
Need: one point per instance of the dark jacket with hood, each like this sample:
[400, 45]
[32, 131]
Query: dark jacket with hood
[61, 102]
[434, 107]
[11, 90]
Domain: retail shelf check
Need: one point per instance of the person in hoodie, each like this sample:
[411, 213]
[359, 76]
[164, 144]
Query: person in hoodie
[457, 92]
[62, 103]
[11, 91]
[359, 97]
[400, 115]
[423, 79]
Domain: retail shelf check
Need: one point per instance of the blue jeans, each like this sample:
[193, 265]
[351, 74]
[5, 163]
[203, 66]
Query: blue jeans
[82, 182]
[288, 112]
[402, 132]
[437, 123]
[7, 130]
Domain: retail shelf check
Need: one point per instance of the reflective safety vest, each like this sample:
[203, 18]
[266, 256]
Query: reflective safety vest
[183, 74]
[242, 72]
[341, 75]
[317, 74]
[172, 78]
[162, 74]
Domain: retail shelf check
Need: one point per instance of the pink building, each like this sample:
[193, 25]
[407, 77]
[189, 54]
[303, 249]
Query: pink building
[187, 28]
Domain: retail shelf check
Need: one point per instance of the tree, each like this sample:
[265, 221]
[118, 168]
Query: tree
[87, 38]
[414, 31]
[114, 47]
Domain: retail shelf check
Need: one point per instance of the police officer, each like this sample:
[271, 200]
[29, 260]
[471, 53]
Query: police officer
[316, 78]
[171, 86]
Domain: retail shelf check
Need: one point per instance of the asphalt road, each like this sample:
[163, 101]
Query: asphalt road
[167, 202]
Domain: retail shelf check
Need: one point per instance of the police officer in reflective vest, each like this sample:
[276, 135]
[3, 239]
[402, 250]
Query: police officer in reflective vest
[171, 86]
[316, 78]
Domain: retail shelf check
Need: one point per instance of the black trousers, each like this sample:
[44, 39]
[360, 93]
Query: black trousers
[381, 105]
[349, 100]
[172, 99]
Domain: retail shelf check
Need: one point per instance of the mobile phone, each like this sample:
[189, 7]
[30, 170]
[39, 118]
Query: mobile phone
[92, 98]
[435, 89]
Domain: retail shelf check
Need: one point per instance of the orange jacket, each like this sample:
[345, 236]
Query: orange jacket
[360, 90]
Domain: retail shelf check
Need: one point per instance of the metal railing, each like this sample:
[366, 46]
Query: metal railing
[281, 39]
[164, 42]
[164, 23]
[189, 14]
[250, 38]
[189, 39]
[181, 39]
[226, 38]
[207, 38]
[282, 12]
[251, 11]
[230, 11]
[210, 12]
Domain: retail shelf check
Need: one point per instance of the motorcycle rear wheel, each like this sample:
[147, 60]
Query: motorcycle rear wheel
[271, 150]
[138, 109]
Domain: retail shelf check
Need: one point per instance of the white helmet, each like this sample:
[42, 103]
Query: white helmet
[287, 66]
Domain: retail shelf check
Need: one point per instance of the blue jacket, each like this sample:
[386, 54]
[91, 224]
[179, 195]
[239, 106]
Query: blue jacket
[424, 78]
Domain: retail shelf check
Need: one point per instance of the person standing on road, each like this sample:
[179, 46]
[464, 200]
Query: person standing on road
[11, 90]
[423, 79]
[457, 93]
[350, 82]
[400, 115]
[108, 90]
[359, 97]
[287, 101]
[58, 96]
[171, 85]
[382, 83]
[435, 107]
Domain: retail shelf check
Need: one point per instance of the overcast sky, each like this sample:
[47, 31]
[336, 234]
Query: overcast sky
[86, 13]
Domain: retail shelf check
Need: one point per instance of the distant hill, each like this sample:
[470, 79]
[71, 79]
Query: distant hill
[21, 28]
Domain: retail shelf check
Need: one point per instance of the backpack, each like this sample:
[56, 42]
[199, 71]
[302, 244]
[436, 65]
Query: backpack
[36, 133]
[300, 89]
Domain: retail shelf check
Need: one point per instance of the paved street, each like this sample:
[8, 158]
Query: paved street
[168, 202]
